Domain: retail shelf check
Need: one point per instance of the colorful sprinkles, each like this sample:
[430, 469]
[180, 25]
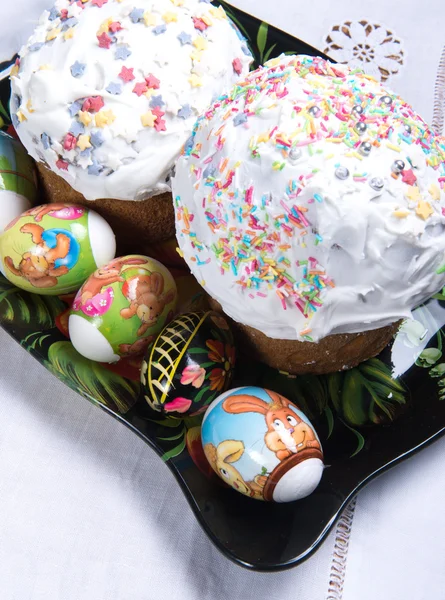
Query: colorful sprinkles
[252, 240]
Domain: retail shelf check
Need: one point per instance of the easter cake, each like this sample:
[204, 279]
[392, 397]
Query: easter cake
[310, 206]
[105, 93]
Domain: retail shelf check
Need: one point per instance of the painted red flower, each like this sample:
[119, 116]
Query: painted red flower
[180, 405]
[225, 354]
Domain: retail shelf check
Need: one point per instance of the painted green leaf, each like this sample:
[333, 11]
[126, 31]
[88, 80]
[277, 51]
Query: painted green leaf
[261, 38]
[352, 401]
[174, 451]
[173, 437]
[268, 53]
[24, 308]
[330, 420]
[94, 381]
[360, 439]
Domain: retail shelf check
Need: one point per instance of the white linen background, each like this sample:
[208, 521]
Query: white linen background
[88, 512]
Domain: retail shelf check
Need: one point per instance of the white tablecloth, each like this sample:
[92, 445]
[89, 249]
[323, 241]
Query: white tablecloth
[87, 512]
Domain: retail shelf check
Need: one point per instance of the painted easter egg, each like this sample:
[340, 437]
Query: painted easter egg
[189, 364]
[262, 445]
[18, 180]
[121, 308]
[51, 249]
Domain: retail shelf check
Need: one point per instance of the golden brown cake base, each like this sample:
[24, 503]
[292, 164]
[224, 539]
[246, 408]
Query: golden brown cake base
[333, 353]
[135, 224]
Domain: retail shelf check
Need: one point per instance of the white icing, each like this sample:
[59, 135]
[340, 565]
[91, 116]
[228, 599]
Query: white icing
[381, 265]
[135, 161]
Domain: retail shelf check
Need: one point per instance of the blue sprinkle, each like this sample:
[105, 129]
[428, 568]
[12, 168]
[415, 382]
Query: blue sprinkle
[188, 146]
[159, 29]
[122, 53]
[96, 139]
[46, 140]
[86, 153]
[69, 23]
[209, 171]
[53, 14]
[136, 14]
[15, 120]
[77, 69]
[77, 128]
[114, 88]
[240, 119]
[185, 111]
[156, 102]
[184, 38]
[75, 107]
[35, 47]
[318, 198]
[246, 50]
[95, 168]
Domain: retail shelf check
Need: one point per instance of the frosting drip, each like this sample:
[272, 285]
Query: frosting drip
[106, 92]
[310, 201]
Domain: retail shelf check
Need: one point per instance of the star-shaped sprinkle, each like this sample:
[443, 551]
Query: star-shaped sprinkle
[122, 53]
[239, 119]
[199, 24]
[140, 88]
[77, 128]
[184, 38]
[177, 2]
[45, 67]
[98, 3]
[35, 47]
[115, 26]
[29, 106]
[93, 104]
[158, 112]
[104, 40]
[86, 153]
[185, 111]
[434, 191]
[413, 193]
[218, 13]
[196, 56]
[53, 14]
[237, 66]
[63, 14]
[69, 142]
[148, 119]
[69, 23]
[84, 142]
[95, 168]
[424, 210]
[68, 34]
[152, 81]
[114, 88]
[156, 102]
[75, 107]
[104, 117]
[149, 19]
[159, 29]
[15, 120]
[400, 214]
[160, 125]
[52, 34]
[409, 177]
[21, 116]
[195, 81]
[126, 74]
[105, 26]
[97, 139]
[77, 69]
[170, 17]
[246, 50]
[85, 118]
[136, 14]
[200, 43]
[46, 140]
[62, 164]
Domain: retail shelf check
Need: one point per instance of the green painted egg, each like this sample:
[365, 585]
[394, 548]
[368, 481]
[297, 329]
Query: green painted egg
[121, 308]
[189, 364]
[51, 249]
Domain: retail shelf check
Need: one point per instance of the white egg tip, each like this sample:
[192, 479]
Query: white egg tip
[89, 341]
[102, 239]
[12, 205]
[300, 481]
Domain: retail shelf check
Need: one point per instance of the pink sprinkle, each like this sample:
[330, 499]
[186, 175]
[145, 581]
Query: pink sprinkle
[140, 88]
[152, 81]
[283, 204]
[199, 24]
[311, 201]
[249, 195]
[62, 164]
[237, 66]
[251, 296]
[208, 160]
[126, 74]
[98, 3]
[63, 14]
[104, 40]
[93, 104]
[261, 295]
[115, 26]
[69, 142]
[283, 303]
[305, 143]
